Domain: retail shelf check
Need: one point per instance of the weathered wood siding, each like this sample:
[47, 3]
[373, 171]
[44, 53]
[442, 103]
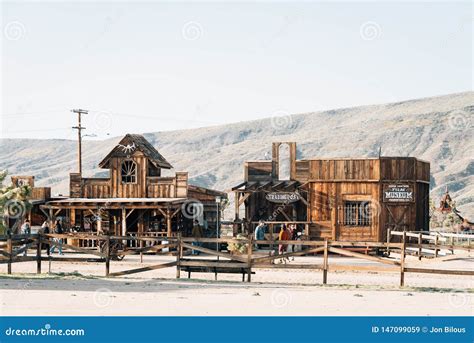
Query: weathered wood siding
[144, 187]
[344, 169]
[258, 171]
[129, 190]
[326, 210]
[331, 182]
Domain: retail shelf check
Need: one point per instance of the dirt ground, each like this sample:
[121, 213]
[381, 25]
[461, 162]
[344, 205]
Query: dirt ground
[81, 289]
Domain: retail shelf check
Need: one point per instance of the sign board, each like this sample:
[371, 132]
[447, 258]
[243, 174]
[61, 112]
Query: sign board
[283, 197]
[398, 193]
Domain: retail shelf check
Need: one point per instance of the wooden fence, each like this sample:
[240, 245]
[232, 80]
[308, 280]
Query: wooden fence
[436, 242]
[109, 248]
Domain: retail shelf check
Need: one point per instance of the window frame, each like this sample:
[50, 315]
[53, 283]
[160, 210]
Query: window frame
[352, 213]
[135, 176]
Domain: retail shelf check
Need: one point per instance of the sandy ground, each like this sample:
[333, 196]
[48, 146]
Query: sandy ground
[81, 289]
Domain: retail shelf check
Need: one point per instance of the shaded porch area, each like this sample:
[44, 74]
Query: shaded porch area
[158, 217]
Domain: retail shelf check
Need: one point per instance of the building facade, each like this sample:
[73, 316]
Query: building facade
[135, 198]
[349, 199]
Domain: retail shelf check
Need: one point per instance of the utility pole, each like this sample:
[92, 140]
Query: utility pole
[79, 129]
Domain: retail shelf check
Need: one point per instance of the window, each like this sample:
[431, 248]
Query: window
[129, 172]
[357, 213]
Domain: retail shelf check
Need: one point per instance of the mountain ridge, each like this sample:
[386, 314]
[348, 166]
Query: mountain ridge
[437, 129]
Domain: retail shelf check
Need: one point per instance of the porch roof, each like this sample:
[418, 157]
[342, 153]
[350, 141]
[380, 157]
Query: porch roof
[274, 185]
[114, 202]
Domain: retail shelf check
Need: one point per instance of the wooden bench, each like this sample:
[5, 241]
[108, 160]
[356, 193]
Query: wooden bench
[220, 269]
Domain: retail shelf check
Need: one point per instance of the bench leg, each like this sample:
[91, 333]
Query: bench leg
[249, 275]
[189, 274]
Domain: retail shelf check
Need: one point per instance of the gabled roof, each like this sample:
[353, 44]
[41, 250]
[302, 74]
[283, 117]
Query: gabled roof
[132, 143]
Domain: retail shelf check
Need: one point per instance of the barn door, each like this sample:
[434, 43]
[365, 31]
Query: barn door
[398, 217]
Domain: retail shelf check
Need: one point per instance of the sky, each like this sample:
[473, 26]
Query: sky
[154, 65]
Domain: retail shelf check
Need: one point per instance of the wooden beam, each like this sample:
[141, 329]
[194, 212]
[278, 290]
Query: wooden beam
[290, 254]
[245, 197]
[214, 252]
[362, 256]
[439, 271]
[72, 247]
[146, 249]
[144, 269]
[129, 213]
[176, 212]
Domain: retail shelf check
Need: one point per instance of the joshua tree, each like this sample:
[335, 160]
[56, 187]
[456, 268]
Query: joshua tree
[13, 203]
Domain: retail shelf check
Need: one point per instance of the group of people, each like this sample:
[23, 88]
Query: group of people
[58, 229]
[287, 233]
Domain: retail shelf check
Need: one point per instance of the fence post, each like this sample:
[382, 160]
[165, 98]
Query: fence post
[402, 260]
[38, 255]
[249, 258]
[10, 253]
[436, 245]
[107, 255]
[178, 256]
[389, 233]
[419, 245]
[325, 262]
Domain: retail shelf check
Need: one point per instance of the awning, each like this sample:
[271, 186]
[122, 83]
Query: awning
[114, 203]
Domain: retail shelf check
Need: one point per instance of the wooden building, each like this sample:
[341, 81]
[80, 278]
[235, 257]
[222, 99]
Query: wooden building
[135, 198]
[20, 212]
[348, 199]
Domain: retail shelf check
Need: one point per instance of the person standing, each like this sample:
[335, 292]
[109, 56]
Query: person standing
[197, 234]
[284, 235]
[26, 230]
[45, 230]
[58, 229]
[259, 233]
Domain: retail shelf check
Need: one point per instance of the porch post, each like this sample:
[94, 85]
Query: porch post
[124, 221]
[236, 199]
[51, 219]
[99, 222]
[72, 217]
[168, 222]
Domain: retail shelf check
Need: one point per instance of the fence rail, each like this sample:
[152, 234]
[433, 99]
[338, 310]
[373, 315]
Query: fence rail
[108, 248]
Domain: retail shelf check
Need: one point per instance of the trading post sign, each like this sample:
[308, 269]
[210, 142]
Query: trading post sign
[283, 197]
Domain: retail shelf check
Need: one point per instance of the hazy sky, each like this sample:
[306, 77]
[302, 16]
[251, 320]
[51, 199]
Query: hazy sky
[152, 66]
